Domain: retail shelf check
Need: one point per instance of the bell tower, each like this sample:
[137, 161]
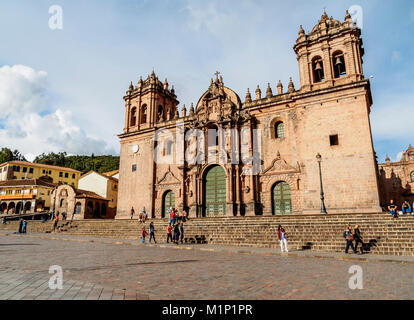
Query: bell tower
[148, 104]
[330, 54]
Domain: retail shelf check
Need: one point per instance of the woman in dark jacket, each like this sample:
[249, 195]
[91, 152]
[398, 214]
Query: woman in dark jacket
[176, 233]
[358, 239]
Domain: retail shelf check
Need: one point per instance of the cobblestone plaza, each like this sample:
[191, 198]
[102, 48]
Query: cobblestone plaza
[114, 269]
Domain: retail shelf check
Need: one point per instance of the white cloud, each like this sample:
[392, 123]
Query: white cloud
[22, 90]
[24, 126]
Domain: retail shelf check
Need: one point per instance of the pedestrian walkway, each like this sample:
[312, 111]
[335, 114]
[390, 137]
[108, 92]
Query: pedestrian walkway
[229, 249]
[97, 268]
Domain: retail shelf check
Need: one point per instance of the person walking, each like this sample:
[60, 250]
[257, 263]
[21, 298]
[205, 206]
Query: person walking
[3, 221]
[132, 213]
[281, 234]
[24, 226]
[358, 239]
[172, 216]
[181, 232]
[143, 234]
[176, 233]
[393, 209]
[55, 224]
[152, 232]
[169, 235]
[20, 225]
[349, 239]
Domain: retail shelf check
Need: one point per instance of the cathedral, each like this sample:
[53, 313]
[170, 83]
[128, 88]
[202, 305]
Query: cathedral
[305, 150]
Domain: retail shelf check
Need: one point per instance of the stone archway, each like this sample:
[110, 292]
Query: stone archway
[214, 191]
[11, 208]
[78, 208]
[27, 207]
[19, 207]
[168, 201]
[3, 207]
[97, 211]
[281, 198]
[89, 210]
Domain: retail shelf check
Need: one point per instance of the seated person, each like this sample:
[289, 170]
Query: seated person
[393, 209]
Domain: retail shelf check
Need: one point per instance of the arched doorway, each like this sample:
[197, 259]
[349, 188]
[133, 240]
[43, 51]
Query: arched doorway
[168, 202]
[78, 208]
[3, 207]
[19, 208]
[103, 210]
[97, 212]
[214, 195]
[27, 207]
[281, 198]
[89, 209]
[11, 208]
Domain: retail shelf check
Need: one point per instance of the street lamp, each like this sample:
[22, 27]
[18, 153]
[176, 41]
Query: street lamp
[319, 159]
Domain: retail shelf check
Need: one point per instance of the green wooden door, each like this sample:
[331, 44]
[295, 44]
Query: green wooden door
[215, 192]
[281, 199]
[169, 202]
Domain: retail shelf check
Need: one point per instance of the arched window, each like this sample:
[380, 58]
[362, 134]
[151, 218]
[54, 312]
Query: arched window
[144, 114]
[317, 67]
[89, 208]
[279, 130]
[412, 176]
[160, 113]
[78, 208]
[338, 61]
[133, 121]
[62, 203]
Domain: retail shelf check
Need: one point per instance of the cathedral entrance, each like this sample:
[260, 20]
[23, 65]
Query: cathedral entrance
[167, 203]
[281, 199]
[214, 197]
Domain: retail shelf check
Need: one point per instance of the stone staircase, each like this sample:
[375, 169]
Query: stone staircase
[381, 233]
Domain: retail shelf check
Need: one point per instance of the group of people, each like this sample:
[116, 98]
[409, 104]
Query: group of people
[22, 226]
[175, 228]
[143, 215]
[351, 236]
[144, 233]
[406, 208]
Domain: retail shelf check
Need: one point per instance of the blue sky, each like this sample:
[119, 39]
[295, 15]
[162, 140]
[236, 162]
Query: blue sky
[67, 93]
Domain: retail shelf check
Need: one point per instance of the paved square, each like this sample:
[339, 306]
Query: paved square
[109, 269]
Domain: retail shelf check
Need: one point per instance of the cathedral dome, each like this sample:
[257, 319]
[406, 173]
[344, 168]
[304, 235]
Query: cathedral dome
[218, 92]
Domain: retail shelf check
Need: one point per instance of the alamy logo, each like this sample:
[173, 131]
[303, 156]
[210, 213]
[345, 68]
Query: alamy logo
[56, 281]
[355, 281]
[56, 20]
[212, 146]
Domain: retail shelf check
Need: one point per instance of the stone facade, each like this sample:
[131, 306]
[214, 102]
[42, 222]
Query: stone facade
[397, 179]
[328, 115]
[80, 204]
[103, 185]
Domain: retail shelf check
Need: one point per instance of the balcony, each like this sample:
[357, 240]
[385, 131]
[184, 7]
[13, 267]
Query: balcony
[16, 196]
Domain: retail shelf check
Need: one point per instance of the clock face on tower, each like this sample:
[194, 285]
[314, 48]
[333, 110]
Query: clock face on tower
[135, 148]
